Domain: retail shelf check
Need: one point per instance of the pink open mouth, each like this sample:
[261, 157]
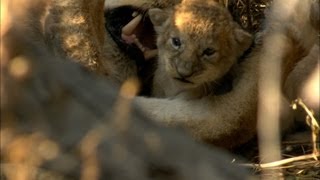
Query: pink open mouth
[131, 32]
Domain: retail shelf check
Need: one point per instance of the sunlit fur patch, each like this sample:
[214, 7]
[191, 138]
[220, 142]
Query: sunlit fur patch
[189, 19]
[200, 18]
[183, 18]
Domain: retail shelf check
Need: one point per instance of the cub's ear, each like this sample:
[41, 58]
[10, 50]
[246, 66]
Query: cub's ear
[158, 17]
[244, 39]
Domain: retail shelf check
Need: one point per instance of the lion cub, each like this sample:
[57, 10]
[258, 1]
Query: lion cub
[198, 43]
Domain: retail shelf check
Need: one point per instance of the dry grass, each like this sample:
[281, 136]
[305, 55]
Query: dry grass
[303, 160]
[248, 13]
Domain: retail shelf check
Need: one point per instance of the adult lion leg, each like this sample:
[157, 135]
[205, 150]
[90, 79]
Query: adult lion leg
[75, 30]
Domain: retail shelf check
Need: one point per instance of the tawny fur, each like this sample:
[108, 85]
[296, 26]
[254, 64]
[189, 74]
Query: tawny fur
[75, 29]
[214, 32]
[230, 119]
[227, 120]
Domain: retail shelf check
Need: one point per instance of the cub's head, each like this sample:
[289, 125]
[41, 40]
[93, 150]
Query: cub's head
[198, 42]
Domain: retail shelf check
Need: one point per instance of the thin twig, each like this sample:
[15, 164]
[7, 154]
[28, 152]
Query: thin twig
[311, 121]
[282, 162]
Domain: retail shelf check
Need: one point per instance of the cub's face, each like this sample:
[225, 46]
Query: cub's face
[197, 43]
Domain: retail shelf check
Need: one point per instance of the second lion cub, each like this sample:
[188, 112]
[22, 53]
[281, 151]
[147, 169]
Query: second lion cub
[198, 43]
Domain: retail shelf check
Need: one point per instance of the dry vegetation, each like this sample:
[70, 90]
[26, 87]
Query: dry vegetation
[248, 13]
[300, 159]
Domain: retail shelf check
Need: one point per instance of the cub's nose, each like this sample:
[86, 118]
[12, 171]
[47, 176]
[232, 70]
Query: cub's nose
[184, 69]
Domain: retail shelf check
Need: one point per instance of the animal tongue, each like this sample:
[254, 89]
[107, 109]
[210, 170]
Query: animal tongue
[130, 38]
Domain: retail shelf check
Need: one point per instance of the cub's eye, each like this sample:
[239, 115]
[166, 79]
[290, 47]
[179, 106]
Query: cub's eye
[208, 52]
[176, 43]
